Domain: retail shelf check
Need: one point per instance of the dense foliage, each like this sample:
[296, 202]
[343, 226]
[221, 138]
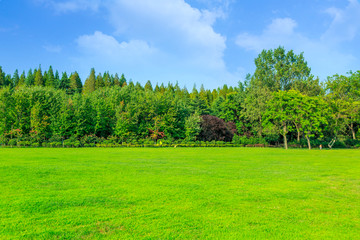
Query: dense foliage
[281, 103]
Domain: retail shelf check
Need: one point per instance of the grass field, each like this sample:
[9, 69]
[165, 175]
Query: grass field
[179, 193]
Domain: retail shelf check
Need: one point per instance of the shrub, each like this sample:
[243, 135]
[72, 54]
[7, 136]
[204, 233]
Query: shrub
[248, 141]
[89, 139]
[352, 142]
[214, 128]
[24, 144]
[35, 144]
[12, 142]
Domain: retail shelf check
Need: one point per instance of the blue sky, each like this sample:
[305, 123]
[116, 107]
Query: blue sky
[210, 42]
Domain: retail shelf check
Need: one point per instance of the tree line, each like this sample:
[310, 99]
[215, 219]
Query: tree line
[281, 103]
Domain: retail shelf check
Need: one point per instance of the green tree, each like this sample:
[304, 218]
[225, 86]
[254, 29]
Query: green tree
[2, 77]
[99, 83]
[148, 86]
[15, 78]
[280, 70]
[39, 123]
[89, 85]
[22, 79]
[108, 80]
[279, 113]
[30, 78]
[255, 106]
[64, 82]
[315, 117]
[192, 127]
[122, 80]
[117, 80]
[343, 94]
[57, 79]
[50, 79]
[75, 83]
[38, 81]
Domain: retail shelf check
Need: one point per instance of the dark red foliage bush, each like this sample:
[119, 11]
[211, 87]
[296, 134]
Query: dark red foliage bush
[214, 128]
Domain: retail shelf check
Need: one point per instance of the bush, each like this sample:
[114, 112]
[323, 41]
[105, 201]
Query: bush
[352, 142]
[339, 144]
[24, 144]
[35, 144]
[89, 139]
[56, 138]
[214, 128]
[56, 144]
[12, 142]
[248, 141]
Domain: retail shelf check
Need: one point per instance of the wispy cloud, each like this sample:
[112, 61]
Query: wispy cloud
[71, 5]
[325, 54]
[52, 48]
[8, 29]
[345, 25]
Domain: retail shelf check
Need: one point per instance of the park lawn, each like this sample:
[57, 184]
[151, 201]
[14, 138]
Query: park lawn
[179, 193]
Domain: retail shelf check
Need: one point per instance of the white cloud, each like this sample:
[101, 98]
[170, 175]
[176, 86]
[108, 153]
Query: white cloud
[163, 40]
[325, 55]
[345, 25]
[172, 25]
[282, 26]
[281, 31]
[107, 46]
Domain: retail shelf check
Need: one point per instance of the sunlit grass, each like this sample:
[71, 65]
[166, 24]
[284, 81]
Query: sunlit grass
[185, 193]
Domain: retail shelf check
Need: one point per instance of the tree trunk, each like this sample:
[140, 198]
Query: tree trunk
[261, 128]
[298, 136]
[285, 138]
[353, 131]
[308, 141]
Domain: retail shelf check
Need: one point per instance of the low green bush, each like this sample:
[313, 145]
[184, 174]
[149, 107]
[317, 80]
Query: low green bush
[23, 143]
[35, 144]
[248, 141]
[12, 142]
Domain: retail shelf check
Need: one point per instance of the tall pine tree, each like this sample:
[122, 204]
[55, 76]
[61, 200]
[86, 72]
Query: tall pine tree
[38, 81]
[75, 83]
[50, 79]
[89, 85]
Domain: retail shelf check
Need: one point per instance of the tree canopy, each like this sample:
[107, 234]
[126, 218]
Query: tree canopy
[281, 103]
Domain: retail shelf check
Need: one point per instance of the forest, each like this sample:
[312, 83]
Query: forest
[280, 104]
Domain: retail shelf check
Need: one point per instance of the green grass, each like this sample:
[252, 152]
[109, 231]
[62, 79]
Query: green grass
[179, 193]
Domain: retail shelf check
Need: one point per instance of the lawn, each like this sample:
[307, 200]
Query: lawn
[179, 193]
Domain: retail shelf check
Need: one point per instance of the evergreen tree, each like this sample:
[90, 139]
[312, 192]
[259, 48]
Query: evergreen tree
[148, 86]
[45, 77]
[75, 83]
[107, 79]
[117, 80]
[2, 77]
[57, 79]
[157, 88]
[50, 78]
[99, 83]
[123, 80]
[16, 78]
[8, 80]
[38, 81]
[64, 81]
[22, 79]
[194, 93]
[89, 85]
[138, 87]
[30, 78]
